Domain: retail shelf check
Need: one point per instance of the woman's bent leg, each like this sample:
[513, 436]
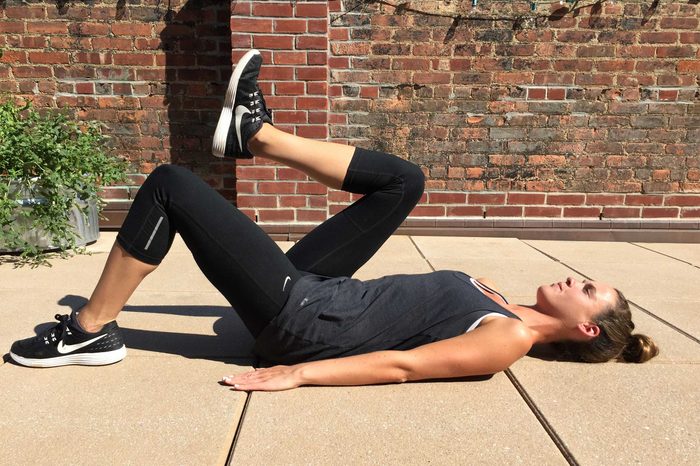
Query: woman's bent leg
[343, 243]
[237, 257]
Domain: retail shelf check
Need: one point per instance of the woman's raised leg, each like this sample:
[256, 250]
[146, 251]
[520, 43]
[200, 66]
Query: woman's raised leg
[342, 244]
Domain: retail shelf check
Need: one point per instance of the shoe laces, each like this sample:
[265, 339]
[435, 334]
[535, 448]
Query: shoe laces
[258, 105]
[52, 335]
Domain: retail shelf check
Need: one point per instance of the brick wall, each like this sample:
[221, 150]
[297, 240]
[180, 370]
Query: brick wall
[153, 72]
[591, 113]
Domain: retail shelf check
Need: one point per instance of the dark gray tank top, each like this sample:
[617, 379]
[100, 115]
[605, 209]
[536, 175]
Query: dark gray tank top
[335, 317]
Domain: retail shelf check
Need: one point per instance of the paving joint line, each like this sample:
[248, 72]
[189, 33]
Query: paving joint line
[644, 310]
[558, 442]
[421, 253]
[239, 428]
[666, 255]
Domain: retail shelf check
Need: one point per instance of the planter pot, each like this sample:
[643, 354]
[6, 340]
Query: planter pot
[86, 226]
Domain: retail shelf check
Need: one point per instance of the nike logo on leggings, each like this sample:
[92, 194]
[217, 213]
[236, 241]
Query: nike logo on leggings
[285, 282]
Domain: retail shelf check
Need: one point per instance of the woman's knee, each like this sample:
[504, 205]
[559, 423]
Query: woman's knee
[413, 181]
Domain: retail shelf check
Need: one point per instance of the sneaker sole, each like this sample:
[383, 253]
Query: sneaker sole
[222, 127]
[82, 359]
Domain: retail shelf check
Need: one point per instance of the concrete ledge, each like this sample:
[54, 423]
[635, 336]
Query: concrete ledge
[570, 229]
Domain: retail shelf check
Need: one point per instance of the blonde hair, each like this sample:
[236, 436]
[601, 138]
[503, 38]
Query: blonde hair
[615, 341]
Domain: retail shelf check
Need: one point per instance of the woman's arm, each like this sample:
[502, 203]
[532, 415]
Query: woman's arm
[491, 348]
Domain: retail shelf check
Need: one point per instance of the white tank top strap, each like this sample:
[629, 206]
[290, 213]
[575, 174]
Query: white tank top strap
[481, 286]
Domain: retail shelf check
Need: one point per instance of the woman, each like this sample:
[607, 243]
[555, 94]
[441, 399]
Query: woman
[318, 325]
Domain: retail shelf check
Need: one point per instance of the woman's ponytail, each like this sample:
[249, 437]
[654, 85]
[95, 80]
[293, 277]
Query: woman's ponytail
[639, 348]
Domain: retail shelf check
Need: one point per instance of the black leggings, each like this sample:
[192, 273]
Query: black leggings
[240, 259]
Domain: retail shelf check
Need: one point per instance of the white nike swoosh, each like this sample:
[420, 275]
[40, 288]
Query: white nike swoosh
[65, 349]
[285, 282]
[240, 111]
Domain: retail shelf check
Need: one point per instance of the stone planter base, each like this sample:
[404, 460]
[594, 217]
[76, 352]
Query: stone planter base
[87, 228]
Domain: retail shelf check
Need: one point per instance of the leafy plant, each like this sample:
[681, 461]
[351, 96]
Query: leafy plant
[62, 162]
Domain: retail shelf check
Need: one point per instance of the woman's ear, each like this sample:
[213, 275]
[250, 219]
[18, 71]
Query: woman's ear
[588, 330]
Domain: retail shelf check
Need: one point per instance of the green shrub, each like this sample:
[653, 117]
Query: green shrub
[49, 156]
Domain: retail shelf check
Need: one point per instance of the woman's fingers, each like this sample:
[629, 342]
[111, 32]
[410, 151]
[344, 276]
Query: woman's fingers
[272, 378]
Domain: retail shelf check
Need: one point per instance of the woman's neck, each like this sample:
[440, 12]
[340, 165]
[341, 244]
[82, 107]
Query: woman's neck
[546, 329]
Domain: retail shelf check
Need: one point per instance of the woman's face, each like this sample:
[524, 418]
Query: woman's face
[575, 302]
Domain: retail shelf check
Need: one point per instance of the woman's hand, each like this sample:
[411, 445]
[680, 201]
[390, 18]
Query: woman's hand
[269, 379]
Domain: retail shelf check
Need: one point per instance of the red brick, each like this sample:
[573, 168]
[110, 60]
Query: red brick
[487, 198]
[289, 58]
[313, 131]
[338, 196]
[255, 173]
[257, 201]
[309, 215]
[273, 42]
[277, 73]
[293, 26]
[47, 28]
[565, 199]
[265, 215]
[312, 74]
[504, 211]
[660, 212]
[48, 57]
[621, 212]
[251, 25]
[311, 187]
[311, 10]
[536, 93]
[273, 9]
[605, 199]
[289, 88]
[525, 198]
[319, 26]
[311, 42]
[679, 23]
[690, 213]
[293, 201]
[139, 59]
[537, 211]
[132, 29]
[665, 37]
[556, 93]
[447, 198]
[688, 66]
[85, 88]
[290, 116]
[682, 200]
[276, 187]
[581, 212]
[12, 26]
[465, 211]
[13, 56]
[317, 88]
[284, 173]
[311, 103]
[428, 211]
[317, 58]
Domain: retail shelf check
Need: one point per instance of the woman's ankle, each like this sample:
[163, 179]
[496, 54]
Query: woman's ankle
[258, 142]
[86, 322]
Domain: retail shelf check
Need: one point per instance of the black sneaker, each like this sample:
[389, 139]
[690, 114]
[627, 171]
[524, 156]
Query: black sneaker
[65, 344]
[242, 91]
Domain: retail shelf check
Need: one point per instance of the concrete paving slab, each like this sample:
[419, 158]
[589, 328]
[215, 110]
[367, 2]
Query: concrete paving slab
[649, 279]
[413, 423]
[442, 247]
[513, 277]
[681, 251]
[619, 413]
[139, 411]
[685, 313]
[397, 256]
